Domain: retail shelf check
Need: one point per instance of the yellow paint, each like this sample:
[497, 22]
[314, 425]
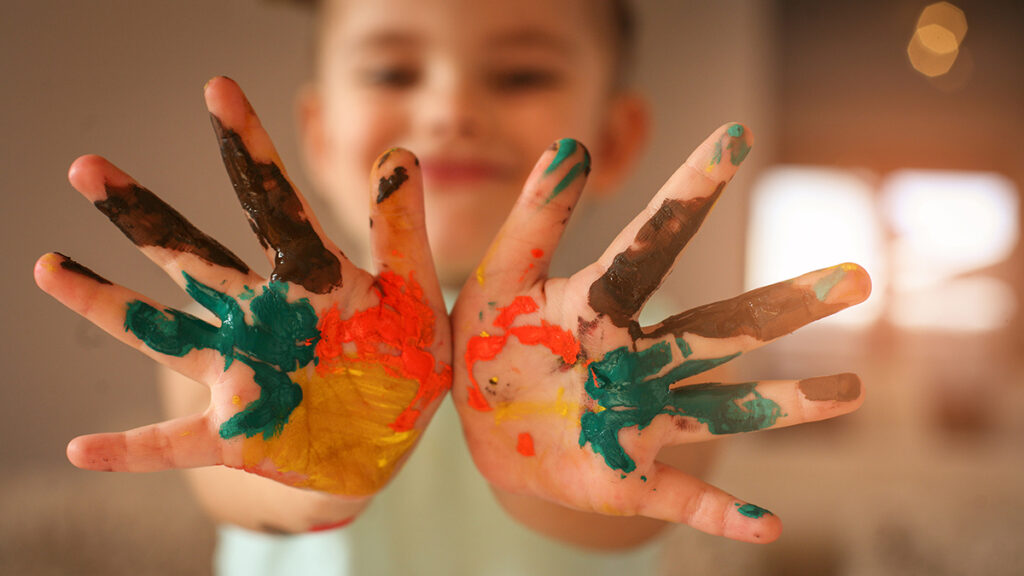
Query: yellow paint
[50, 262]
[505, 411]
[484, 334]
[236, 400]
[356, 450]
[186, 433]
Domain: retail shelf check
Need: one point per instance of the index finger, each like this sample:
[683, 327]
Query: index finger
[280, 217]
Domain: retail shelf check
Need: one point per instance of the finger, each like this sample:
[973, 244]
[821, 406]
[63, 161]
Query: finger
[398, 231]
[160, 232]
[642, 255]
[522, 250]
[168, 336]
[696, 413]
[677, 497]
[762, 315]
[295, 243]
[182, 443]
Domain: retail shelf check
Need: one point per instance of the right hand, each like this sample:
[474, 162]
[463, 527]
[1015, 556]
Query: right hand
[322, 376]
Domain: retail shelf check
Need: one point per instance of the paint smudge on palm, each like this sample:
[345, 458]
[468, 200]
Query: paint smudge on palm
[339, 397]
[487, 346]
[524, 444]
[633, 388]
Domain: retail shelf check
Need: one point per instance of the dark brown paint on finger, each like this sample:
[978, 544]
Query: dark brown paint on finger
[637, 272]
[277, 217]
[149, 221]
[765, 314]
[839, 388]
[388, 186]
[72, 266]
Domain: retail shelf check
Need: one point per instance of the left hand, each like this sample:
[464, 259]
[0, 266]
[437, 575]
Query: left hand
[564, 396]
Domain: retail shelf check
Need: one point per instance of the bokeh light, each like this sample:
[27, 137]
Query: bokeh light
[935, 45]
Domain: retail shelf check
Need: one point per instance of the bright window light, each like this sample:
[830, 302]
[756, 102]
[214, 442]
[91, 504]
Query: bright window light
[806, 218]
[947, 225]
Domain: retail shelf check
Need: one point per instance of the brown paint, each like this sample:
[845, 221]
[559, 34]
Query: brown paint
[149, 221]
[638, 271]
[277, 217]
[765, 313]
[388, 186]
[72, 266]
[839, 388]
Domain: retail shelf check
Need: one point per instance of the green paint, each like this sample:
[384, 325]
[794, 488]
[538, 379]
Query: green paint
[736, 130]
[752, 510]
[281, 338]
[633, 389]
[684, 347]
[738, 147]
[247, 294]
[825, 285]
[716, 158]
[566, 146]
[644, 478]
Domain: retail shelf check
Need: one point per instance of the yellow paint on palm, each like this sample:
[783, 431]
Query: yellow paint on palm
[504, 411]
[348, 411]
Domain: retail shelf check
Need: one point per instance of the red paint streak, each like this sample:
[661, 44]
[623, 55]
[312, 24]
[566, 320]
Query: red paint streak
[537, 252]
[487, 347]
[525, 444]
[397, 333]
[332, 526]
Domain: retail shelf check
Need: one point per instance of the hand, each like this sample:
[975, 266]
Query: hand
[322, 376]
[564, 396]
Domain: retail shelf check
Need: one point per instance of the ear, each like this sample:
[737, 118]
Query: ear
[312, 136]
[623, 138]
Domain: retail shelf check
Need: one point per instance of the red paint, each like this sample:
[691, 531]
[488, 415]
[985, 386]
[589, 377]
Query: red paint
[537, 252]
[402, 322]
[487, 346]
[332, 526]
[525, 444]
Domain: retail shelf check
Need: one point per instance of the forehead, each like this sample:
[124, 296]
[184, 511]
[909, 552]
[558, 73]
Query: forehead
[564, 25]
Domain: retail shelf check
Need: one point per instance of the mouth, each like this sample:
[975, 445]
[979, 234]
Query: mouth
[455, 172]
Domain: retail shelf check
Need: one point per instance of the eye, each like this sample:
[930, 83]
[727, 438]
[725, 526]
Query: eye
[391, 76]
[523, 79]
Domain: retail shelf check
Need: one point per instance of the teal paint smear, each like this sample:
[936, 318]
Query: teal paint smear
[684, 347]
[566, 146]
[825, 285]
[281, 338]
[738, 147]
[247, 294]
[716, 158]
[752, 510]
[625, 384]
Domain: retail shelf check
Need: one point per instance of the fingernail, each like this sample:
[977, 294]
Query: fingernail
[751, 510]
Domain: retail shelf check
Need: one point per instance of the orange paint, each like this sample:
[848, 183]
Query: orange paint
[487, 346]
[331, 526]
[401, 323]
[525, 444]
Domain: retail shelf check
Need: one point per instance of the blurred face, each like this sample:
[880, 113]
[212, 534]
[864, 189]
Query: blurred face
[477, 89]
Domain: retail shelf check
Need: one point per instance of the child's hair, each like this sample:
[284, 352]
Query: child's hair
[623, 29]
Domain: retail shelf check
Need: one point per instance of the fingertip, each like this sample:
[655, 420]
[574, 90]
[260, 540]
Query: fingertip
[78, 454]
[91, 174]
[44, 269]
[859, 282]
[751, 523]
[226, 102]
[391, 171]
[740, 131]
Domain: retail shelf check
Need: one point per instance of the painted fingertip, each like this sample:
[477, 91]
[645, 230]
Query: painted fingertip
[566, 153]
[391, 171]
[70, 265]
[728, 147]
[837, 388]
[847, 284]
[752, 510]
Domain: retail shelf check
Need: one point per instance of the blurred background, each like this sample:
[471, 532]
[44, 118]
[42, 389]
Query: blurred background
[888, 133]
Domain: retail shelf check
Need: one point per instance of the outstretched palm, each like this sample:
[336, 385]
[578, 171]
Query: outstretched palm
[564, 396]
[321, 376]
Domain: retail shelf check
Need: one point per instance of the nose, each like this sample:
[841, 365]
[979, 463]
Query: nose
[453, 106]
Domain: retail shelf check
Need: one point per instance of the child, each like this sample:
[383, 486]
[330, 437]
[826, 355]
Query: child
[325, 377]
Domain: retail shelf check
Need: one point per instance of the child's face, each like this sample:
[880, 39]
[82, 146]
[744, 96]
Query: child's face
[477, 89]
